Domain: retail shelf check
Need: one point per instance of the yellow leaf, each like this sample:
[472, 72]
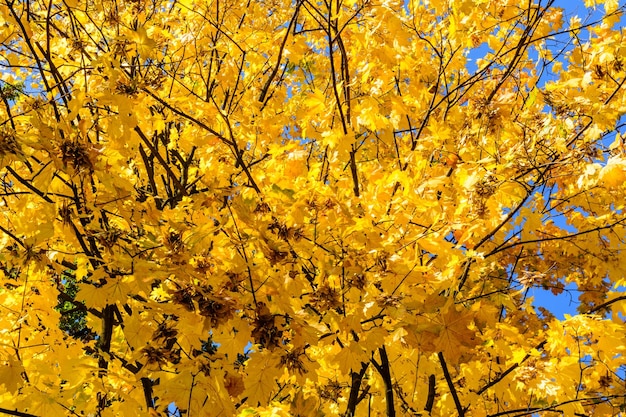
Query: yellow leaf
[145, 45]
[304, 406]
[233, 339]
[316, 102]
[350, 357]
[11, 371]
[138, 331]
[613, 174]
[262, 369]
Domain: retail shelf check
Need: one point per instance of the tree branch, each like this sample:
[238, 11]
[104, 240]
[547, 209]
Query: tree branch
[455, 395]
[548, 239]
[164, 164]
[430, 400]
[16, 413]
[606, 304]
[508, 371]
[520, 412]
[29, 185]
[354, 172]
[385, 373]
[146, 383]
[354, 398]
[104, 343]
[280, 55]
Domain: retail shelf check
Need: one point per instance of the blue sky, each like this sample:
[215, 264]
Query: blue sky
[567, 301]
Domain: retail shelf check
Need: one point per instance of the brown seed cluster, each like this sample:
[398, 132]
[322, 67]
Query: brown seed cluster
[605, 381]
[357, 280]
[388, 300]
[284, 232]
[174, 241]
[160, 355]
[203, 264]
[264, 330]
[66, 213]
[331, 391]
[165, 331]
[76, 155]
[165, 352]
[108, 238]
[326, 298]
[292, 360]
[262, 208]
[8, 143]
[217, 307]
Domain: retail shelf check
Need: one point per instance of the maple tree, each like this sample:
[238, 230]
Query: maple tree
[311, 207]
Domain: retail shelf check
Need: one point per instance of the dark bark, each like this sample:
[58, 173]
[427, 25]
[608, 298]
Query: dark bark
[385, 372]
[455, 395]
[430, 400]
[355, 398]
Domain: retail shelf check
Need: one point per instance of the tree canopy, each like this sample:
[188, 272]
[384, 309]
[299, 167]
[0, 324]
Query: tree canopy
[311, 207]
